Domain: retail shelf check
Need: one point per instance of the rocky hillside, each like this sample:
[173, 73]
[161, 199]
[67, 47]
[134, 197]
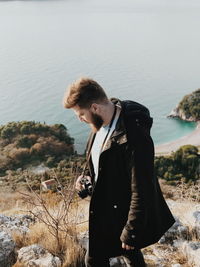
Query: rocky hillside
[26, 241]
[189, 107]
[27, 142]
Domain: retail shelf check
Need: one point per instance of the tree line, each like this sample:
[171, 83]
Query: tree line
[184, 164]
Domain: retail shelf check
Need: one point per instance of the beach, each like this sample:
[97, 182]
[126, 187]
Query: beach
[190, 139]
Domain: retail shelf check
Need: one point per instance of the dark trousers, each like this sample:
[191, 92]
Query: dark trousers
[132, 258]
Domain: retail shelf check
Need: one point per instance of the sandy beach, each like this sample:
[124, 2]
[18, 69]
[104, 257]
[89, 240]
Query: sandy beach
[190, 139]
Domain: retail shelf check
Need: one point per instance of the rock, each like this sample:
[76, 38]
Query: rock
[40, 169]
[174, 113]
[178, 243]
[177, 231]
[117, 262]
[179, 113]
[196, 215]
[35, 255]
[196, 229]
[176, 265]
[7, 250]
[83, 239]
[192, 252]
[19, 223]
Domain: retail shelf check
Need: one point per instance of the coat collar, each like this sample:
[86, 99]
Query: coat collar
[119, 135]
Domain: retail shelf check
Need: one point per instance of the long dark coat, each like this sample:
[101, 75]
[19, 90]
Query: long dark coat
[127, 204]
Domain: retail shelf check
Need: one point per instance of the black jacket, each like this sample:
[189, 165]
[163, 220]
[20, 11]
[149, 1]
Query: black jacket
[127, 204]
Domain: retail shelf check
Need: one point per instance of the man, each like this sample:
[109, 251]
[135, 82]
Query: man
[127, 209]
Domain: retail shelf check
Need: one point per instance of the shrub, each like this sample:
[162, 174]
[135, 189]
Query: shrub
[50, 162]
[8, 132]
[185, 162]
[26, 141]
[20, 154]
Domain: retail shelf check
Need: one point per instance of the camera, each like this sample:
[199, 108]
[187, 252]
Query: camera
[87, 191]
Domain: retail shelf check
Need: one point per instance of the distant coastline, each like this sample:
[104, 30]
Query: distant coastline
[192, 139]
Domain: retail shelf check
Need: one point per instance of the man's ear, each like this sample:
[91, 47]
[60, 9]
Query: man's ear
[95, 108]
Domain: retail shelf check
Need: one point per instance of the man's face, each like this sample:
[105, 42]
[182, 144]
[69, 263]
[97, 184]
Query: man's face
[88, 116]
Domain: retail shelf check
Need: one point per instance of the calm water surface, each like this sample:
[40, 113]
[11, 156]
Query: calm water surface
[146, 50]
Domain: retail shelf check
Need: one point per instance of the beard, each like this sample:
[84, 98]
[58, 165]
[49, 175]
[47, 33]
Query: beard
[96, 123]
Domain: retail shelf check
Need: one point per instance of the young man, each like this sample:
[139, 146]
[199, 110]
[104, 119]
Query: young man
[127, 209]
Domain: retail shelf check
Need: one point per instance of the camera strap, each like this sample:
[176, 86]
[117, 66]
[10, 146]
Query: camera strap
[110, 126]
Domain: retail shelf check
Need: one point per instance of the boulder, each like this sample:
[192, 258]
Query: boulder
[7, 250]
[177, 231]
[35, 255]
[196, 229]
[117, 262]
[196, 215]
[19, 223]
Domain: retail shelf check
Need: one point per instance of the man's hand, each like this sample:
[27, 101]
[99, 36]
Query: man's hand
[127, 247]
[78, 185]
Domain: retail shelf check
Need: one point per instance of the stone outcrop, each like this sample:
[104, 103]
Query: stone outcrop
[7, 250]
[196, 229]
[18, 223]
[177, 231]
[37, 256]
[179, 113]
[188, 108]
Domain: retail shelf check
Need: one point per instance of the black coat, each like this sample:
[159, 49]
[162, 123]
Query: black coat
[127, 204]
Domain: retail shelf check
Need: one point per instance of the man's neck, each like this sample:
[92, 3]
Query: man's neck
[108, 113]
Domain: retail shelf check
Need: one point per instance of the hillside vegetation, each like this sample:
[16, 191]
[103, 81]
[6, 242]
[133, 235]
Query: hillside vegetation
[189, 107]
[29, 142]
[184, 164]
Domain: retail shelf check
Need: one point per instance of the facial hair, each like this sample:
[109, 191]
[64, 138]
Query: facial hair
[96, 123]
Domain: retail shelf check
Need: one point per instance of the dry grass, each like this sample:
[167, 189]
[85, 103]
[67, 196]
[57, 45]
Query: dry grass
[181, 191]
[14, 203]
[180, 258]
[163, 255]
[69, 251]
[11, 203]
[74, 257]
[187, 201]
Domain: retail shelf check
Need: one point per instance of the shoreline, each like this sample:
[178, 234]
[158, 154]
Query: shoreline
[190, 139]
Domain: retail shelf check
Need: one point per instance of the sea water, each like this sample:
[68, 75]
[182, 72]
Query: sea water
[146, 50]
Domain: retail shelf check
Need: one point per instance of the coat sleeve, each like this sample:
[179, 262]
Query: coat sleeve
[141, 171]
